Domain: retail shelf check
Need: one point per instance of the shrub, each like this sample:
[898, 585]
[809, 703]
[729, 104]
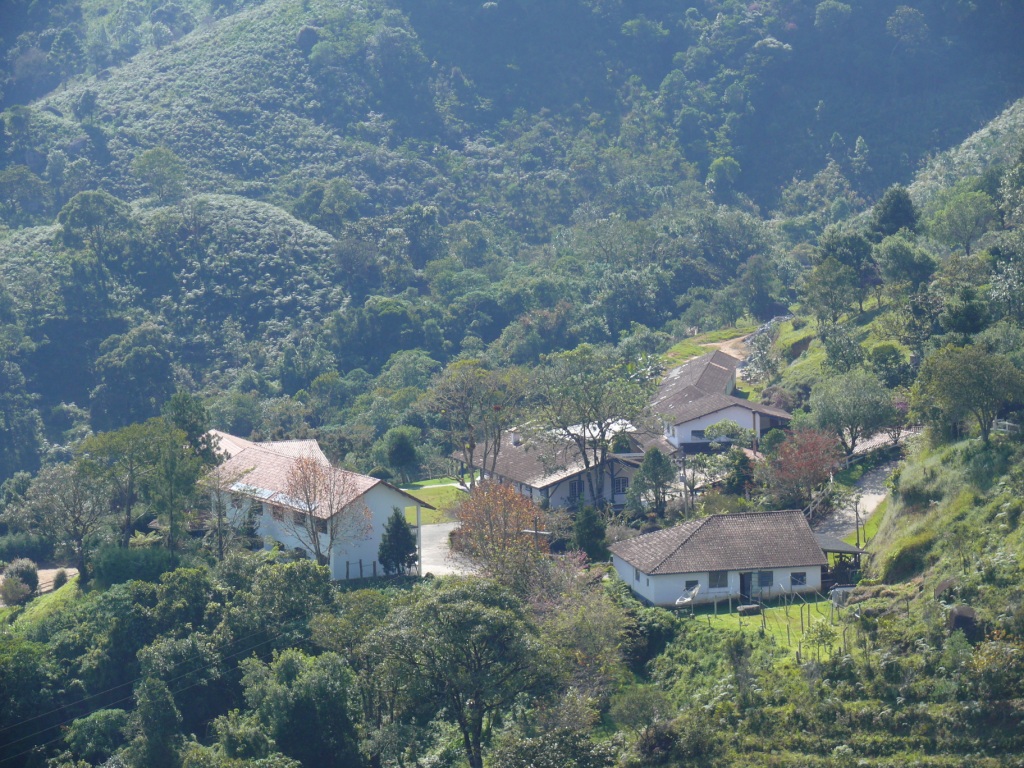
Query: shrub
[907, 558]
[25, 545]
[25, 571]
[114, 565]
[60, 578]
[13, 591]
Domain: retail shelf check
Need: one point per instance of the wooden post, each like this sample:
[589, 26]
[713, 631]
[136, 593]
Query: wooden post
[419, 542]
[375, 569]
[347, 564]
[360, 567]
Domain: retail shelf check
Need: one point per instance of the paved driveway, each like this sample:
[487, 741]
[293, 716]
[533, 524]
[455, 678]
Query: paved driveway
[437, 558]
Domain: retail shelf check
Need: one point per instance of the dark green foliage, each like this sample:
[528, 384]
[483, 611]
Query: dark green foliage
[588, 532]
[894, 211]
[115, 565]
[25, 545]
[397, 551]
[302, 701]
[60, 578]
[25, 571]
[94, 738]
[648, 493]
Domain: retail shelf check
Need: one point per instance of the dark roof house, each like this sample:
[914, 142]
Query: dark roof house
[743, 555]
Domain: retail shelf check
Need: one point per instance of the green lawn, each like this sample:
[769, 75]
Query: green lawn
[779, 621]
[441, 498]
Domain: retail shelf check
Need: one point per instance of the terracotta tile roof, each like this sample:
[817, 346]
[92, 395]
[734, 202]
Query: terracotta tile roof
[755, 541]
[261, 470]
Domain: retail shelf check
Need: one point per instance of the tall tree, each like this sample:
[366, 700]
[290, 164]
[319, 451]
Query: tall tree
[964, 217]
[69, 505]
[960, 382]
[584, 397]
[894, 211]
[124, 459]
[648, 493]
[472, 644]
[854, 406]
[498, 529]
[397, 550]
[477, 406]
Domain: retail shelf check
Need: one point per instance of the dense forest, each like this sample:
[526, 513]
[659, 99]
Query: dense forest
[379, 223]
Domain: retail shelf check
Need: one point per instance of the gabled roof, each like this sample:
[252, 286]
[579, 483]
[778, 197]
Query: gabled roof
[229, 445]
[261, 471]
[693, 403]
[535, 464]
[755, 541]
[700, 387]
[712, 372]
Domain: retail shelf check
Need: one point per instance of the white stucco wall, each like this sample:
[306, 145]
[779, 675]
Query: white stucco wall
[345, 557]
[665, 589]
[558, 495]
[683, 433]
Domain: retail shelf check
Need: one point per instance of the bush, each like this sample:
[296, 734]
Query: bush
[60, 578]
[907, 557]
[25, 545]
[114, 565]
[25, 571]
[13, 591]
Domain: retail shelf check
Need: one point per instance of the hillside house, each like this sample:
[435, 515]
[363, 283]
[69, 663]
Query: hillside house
[743, 556]
[257, 488]
[557, 477]
[698, 394]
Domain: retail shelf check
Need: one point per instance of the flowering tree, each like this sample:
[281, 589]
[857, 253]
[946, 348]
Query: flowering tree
[803, 462]
[499, 529]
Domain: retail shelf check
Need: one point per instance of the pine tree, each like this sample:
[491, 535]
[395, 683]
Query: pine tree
[397, 550]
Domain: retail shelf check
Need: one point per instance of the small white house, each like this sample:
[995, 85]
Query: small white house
[745, 557]
[258, 489]
[699, 394]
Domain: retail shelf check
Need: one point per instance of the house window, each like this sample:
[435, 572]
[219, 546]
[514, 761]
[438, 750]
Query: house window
[697, 434]
[798, 579]
[575, 489]
[621, 485]
[765, 579]
[298, 518]
[277, 513]
[636, 574]
[691, 584]
[718, 580]
[236, 501]
[321, 526]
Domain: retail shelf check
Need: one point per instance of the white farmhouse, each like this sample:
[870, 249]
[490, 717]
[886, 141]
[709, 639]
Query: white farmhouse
[698, 394]
[258, 489]
[743, 556]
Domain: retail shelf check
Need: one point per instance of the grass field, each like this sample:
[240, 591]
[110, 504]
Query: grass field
[786, 624]
[439, 494]
[44, 605]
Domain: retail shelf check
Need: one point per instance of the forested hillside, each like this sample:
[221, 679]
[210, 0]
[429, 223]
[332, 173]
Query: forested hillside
[505, 178]
[403, 228]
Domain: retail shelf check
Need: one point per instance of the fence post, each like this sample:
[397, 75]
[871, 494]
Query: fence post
[360, 567]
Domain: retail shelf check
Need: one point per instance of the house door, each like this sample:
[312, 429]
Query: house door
[745, 587]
